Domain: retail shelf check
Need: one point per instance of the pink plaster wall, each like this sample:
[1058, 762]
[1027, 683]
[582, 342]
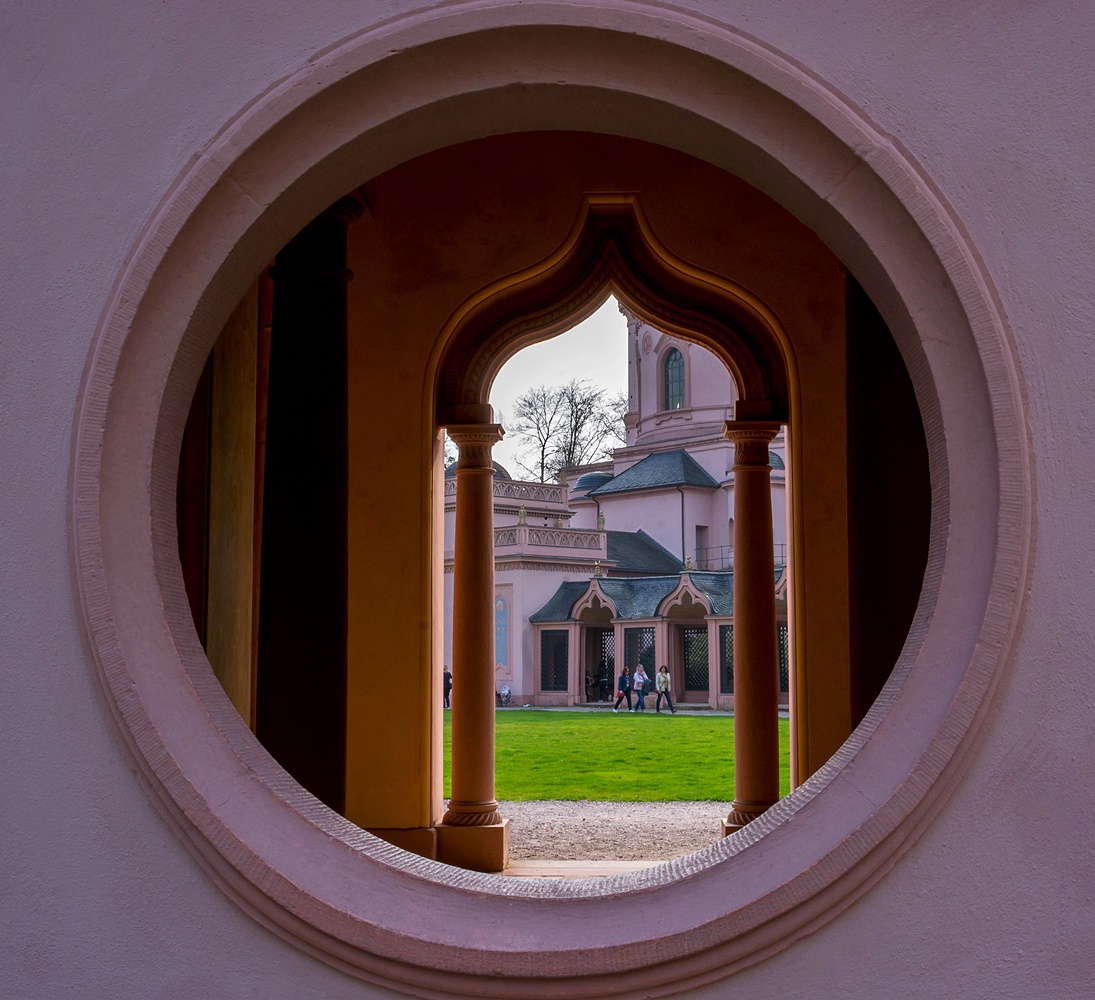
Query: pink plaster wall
[709, 396]
[107, 105]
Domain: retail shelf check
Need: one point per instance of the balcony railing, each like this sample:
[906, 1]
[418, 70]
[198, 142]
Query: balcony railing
[717, 558]
[523, 492]
[531, 492]
[525, 537]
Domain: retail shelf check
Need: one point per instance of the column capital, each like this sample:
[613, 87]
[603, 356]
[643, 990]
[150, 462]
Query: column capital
[751, 439]
[347, 209]
[475, 442]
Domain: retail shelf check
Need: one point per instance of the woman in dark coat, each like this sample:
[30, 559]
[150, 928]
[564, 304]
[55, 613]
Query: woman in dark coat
[623, 690]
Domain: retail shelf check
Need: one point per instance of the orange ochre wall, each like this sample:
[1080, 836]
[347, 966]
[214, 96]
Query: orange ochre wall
[445, 225]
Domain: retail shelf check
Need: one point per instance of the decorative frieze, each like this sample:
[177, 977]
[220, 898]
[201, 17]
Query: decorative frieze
[534, 492]
[562, 538]
[555, 538]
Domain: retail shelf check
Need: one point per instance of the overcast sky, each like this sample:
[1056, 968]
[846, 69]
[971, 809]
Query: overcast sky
[595, 350]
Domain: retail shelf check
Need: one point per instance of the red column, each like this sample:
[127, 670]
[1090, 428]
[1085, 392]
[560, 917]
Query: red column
[756, 665]
[473, 802]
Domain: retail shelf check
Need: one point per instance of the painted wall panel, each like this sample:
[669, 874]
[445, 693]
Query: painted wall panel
[994, 898]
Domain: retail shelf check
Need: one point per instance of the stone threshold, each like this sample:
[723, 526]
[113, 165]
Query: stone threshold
[574, 869]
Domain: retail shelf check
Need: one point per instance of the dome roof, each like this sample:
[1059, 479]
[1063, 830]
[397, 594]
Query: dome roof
[774, 460]
[500, 471]
[591, 481]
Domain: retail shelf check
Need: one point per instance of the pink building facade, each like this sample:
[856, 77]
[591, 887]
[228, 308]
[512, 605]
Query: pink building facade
[156, 159]
[671, 514]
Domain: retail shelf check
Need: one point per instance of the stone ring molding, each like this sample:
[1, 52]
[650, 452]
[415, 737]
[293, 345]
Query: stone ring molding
[426, 80]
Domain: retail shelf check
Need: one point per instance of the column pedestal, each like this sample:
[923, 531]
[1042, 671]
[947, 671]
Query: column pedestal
[478, 848]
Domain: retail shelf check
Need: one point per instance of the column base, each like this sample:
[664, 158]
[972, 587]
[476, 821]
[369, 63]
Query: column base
[742, 814]
[478, 848]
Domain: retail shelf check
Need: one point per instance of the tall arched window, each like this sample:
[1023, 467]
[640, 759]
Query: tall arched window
[673, 375]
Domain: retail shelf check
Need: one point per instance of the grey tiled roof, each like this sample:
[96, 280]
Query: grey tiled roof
[667, 468]
[637, 552]
[639, 597]
[718, 588]
[558, 608]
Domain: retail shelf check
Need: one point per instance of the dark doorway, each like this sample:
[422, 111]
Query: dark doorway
[600, 663]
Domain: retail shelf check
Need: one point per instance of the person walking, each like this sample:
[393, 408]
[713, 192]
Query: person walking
[603, 678]
[623, 690]
[639, 686]
[446, 683]
[663, 684]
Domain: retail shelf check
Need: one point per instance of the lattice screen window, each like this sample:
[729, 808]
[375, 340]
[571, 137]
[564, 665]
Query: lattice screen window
[639, 648]
[726, 659]
[554, 653]
[696, 670]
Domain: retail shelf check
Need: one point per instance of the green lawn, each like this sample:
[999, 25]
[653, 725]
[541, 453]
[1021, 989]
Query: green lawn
[616, 758]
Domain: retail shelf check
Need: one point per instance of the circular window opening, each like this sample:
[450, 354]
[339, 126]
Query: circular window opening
[273, 491]
[301, 867]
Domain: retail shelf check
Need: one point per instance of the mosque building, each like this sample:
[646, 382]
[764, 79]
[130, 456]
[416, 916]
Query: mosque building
[633, 554]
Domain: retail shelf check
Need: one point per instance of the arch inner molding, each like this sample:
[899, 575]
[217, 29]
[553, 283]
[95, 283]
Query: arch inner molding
[685, 598]
[612, 248]
[594, 599]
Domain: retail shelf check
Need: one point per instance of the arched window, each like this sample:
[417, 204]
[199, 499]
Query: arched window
[673, 376]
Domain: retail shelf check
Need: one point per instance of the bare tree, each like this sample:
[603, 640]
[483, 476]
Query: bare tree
[584, 427]
[615, 430]
[537, 421]
[566, 425]
[452, 453]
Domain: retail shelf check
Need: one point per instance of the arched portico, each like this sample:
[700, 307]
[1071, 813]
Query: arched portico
[611, 246]
[601, 239]
[596, 645]
[686, 612]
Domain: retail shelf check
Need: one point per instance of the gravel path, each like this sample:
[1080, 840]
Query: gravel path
[608, 831]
